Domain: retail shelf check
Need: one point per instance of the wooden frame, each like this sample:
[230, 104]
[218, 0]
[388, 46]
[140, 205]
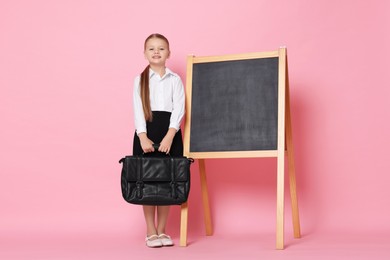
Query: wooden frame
[284, 136]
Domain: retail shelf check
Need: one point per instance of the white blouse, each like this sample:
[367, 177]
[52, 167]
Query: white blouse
[166, 94]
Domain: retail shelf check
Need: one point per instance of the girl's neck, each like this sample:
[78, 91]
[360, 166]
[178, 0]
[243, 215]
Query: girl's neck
[158, 69]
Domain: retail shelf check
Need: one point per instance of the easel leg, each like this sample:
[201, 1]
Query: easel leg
[183, 224]
[294, 199]
[280, 204]
[205, 198]
[281, 150]
[291, 164]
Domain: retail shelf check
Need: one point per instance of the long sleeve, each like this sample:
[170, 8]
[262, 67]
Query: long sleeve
[139, 118]
[178, 106]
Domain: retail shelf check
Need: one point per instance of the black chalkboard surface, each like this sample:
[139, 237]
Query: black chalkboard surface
[232, 104]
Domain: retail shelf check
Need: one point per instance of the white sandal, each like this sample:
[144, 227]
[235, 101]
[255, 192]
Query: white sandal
[150, 242]
[165, 239]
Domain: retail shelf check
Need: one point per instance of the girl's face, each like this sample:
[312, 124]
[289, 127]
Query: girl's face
[156, 51]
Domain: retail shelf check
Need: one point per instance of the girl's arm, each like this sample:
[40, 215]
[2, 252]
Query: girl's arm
[139, 119]
[165, 145]
[178, 97]
[176, 116]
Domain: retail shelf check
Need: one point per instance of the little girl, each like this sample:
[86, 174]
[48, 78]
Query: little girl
[158, 100]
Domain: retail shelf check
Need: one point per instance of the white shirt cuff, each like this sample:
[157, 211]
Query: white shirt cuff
[141, 130]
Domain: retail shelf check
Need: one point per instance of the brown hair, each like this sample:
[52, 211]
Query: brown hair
[145, 81]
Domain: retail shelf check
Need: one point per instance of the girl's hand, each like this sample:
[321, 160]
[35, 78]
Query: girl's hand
[165, 145]
[146, 143]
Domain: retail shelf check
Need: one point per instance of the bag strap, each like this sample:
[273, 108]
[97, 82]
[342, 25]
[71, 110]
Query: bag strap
[173, 178]
[140, 182]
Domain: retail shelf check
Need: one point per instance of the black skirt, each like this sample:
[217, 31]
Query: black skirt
[156, 131]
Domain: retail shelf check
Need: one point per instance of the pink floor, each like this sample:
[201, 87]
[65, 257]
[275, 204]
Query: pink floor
[221, 246]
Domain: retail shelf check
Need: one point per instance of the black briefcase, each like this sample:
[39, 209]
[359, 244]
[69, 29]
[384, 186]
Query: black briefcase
[155, 180]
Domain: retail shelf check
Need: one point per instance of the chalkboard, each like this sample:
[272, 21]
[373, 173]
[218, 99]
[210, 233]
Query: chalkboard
[233, 104]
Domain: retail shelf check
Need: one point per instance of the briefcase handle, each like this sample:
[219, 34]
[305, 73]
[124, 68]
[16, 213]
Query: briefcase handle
[156, 146]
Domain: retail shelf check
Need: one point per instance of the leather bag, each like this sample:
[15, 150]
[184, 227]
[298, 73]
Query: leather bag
[155, 180]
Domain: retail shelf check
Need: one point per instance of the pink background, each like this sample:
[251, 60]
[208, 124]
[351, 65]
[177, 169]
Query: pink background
[66, 73]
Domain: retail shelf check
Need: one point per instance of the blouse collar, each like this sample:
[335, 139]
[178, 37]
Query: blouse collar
[167, 72]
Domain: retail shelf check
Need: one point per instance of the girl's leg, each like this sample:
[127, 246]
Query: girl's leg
[150, 213]
[162, 217]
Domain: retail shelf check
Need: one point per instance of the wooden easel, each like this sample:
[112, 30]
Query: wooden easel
[284, 148]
